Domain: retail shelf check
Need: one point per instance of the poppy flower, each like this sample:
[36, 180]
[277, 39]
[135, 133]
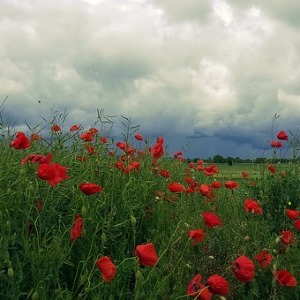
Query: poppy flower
[139, 137]
[134, 165]
[35, 137]
[90, 188]
[211, 219]
[197, 235]
[292, 214]
[107, 268]
[218, 285]
[90, 149]
[146, 254]
[264, 258]
[175, 187]
[276, 144]
[210, 170]
[165, 173]
[251, 205]
[158, 150]
[21, 141]
[216, 184]
[87, 136]
[52, 173]
[284, 278]
[76, 230]
[230, 184]
[287, 237]
[197, 290]
[93, 130]
[205, 189]
[281, 135]
[74, 128]
[55, 128]
[243, 269]
[271, 168]
[104, 139]
[297, 224]
[37, 158]
[245, 175]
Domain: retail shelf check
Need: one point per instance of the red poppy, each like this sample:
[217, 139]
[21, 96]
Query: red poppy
[91, 149]
[218, 285]
[139, 137]
[37, 158]
[216, 184]
[74, 128]
[158, 150]
[292, 214]
[210, 170]
[281, 135]
[52, 173]
[243, 269]
[276, 144]
[287, 237]
[165, 173]
[104, 139]
[264, 258]
[146, 254]
[76, 230]
[107, 268]
[251, 205]
[297, 224]
[230, 184]
[55, 128]
[21, 141]
[211, 219]
[197, 290]
[93, 130]
[175, 187]
[134, 165]
[205, 189]
[284, 278]
[271, 168]
[90, 188]
[87, 136]
[35, 137]
[245, 175]
[197, 235]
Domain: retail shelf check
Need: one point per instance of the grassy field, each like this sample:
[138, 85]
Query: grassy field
[106, 219]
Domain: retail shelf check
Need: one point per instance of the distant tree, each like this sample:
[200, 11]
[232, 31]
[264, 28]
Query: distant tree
[229, 160]
[219, 159]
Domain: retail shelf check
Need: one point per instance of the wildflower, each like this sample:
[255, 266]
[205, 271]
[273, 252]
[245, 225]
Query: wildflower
[245, 175]
[287, 237]
[90, 188]
[146, 254]
[21, 141]
[218, 285]
[281, 135]
[292, 214]
[230, 184]
[35, 137]
[297, 224]
[74, 128]
[210, 170]
[243, 269]
[87, 136]
[104, 139]
[197, 235]
[211, 219]
[93, 130]
[158, 151]
[271, 168]
[107, 268]
[264, 258]
[165, 173]
[284, 278]
[175, 187]
[251, 205]
[55, 128]
[197, 290]
[216, 184]
[37, 158]
[52, 173]
[276, 144]
[76, 230]
[139, 137]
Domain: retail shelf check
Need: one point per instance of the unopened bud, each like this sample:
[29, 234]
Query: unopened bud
[103, 238]
[83, 210]
[10, 272]
[247, 238]
[132, 220]
[211, 257]
[278, 239]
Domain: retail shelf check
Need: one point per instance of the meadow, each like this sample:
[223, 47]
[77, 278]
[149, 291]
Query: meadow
[85, 216]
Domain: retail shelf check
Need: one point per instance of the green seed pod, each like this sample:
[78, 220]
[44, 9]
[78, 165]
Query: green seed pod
[10, 272]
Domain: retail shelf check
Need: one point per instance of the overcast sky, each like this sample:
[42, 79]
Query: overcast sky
[207, 75]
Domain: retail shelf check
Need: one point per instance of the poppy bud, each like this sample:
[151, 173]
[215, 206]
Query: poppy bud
[186, 225]
[247, 238]
[139, 278]
[278, 239]
[132, 221]
[211, 257]
[275, 251]
[103, 238]
[83, 210]
[10, 272]
[35, 296]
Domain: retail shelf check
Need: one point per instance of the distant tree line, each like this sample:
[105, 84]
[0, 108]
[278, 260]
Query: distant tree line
[233, 160]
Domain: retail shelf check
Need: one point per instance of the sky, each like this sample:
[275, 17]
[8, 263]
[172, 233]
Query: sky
[207, 75]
